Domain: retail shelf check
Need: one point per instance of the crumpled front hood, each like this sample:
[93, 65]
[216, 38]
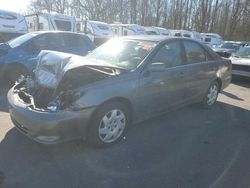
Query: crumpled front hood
[52, 66]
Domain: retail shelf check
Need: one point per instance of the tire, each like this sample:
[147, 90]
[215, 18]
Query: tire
[13, 73]
[109, 124]
[211, 95]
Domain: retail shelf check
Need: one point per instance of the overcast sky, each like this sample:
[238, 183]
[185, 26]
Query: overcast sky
[14, 5]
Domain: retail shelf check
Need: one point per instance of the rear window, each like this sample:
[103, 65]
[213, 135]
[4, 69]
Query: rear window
[63, 25]
[187, 35]
[72, 40]
[103, 27]
[177, 34]
[195, 53]
[151, 32]
[207, 39]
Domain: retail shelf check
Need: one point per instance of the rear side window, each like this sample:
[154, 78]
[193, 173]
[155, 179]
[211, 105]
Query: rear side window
[170, 54]
[195, 53]
[71, 40]
[45, 42]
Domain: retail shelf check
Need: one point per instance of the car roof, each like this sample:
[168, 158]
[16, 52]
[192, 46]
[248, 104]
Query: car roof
[54, 31]
[157, 38]
[152, 38]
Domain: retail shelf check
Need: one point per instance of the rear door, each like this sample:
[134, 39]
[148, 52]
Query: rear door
[200, 70]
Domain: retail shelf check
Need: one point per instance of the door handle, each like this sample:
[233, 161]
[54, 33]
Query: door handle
[162, 82]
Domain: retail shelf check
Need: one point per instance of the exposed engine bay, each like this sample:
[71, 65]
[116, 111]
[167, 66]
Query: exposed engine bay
[58, 81]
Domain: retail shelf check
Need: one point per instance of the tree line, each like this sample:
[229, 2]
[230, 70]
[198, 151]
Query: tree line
[229, 18]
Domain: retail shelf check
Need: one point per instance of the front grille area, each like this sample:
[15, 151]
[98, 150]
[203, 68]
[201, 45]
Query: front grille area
[241, 67]
[19, 126]
[224, 54]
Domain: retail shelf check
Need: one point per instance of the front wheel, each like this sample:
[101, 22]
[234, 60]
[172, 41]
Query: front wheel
[108, 124]
[211, 95]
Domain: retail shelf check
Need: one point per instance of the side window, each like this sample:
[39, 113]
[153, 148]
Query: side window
[45, 42]
[37, 44]
[170, 54]
[55, 41]
[195, 53]
[72, 40]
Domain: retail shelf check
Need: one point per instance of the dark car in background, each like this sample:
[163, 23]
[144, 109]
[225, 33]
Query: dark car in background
[241, 62]
[124, 81]
[227, 48]
[19, 56]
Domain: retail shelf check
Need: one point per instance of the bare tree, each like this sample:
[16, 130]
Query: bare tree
[229, 18]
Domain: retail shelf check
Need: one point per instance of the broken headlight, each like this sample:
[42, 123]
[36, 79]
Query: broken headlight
[65, 100]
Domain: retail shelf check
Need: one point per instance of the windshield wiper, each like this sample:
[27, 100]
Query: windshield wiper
[107, 66]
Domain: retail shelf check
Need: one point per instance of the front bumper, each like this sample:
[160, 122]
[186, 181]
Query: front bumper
[241, 70]
[48, 127]
[241, 73]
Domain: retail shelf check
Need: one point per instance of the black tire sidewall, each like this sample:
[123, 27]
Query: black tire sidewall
[93, 134]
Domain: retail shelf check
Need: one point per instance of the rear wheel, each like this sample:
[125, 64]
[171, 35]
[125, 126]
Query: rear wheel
[211, 95]
[109, 124]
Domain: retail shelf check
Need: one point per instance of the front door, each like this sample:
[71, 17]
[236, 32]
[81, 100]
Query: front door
[165, 89]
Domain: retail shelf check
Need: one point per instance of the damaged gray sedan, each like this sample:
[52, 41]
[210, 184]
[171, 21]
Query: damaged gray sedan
[126, 80]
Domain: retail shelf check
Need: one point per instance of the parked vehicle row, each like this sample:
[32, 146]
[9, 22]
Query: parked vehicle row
[73, 97]
[98, 32]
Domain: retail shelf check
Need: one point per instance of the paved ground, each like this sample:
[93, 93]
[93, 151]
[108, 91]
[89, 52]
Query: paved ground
[190, 147]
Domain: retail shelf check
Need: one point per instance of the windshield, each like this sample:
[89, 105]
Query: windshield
[20, 40]
[230, 46]
[126, 54]
[243, 52]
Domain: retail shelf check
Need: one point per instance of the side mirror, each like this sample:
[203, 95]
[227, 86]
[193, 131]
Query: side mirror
[156, 67]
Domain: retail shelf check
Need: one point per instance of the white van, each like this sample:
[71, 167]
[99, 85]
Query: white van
[197, 36]
[128, 29]
[50, 21]
[181, 33]
[157, 31]
[11, 25]
[98, 32]
[212, 39]
[188, 34]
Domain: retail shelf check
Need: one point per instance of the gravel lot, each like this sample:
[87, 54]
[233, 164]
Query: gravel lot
[191, 147]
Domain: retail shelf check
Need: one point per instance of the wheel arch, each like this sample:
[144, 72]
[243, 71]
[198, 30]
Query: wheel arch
[219, 81]
[121, 100]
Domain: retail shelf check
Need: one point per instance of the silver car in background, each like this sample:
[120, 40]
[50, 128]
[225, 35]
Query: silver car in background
[124, 81]
[241, 62]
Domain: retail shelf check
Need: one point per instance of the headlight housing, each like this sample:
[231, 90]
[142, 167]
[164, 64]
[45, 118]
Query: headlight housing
[65, 100]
